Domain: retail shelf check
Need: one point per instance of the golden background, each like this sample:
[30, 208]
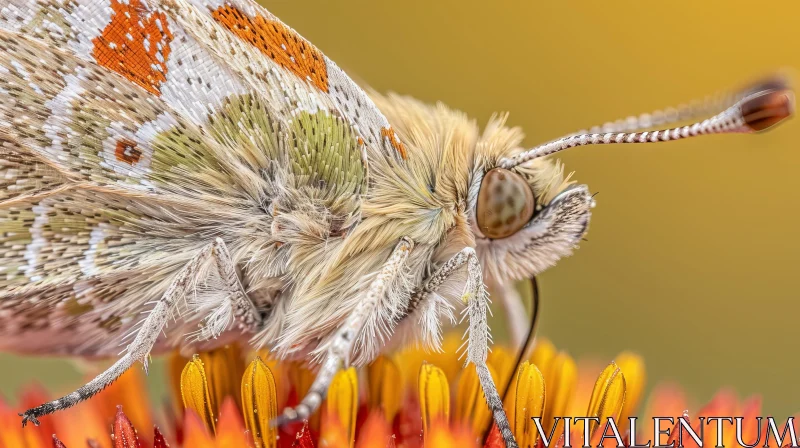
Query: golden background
[692, 255]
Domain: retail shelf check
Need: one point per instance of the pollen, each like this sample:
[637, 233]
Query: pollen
[278, 42]
[395, 142]
[135, 44]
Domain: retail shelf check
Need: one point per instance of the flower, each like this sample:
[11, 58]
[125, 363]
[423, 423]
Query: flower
[409, 399]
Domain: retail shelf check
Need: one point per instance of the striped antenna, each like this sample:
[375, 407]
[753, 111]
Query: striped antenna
[756, 108]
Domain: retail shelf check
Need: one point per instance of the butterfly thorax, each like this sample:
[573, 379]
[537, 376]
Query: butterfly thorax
[331, 255]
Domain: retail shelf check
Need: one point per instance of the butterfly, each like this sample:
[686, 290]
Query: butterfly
[201, 162]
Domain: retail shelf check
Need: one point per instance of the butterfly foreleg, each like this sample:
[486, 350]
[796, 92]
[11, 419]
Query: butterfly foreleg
[153, 325]
[234, 303]
[339, 351]
[477, 306]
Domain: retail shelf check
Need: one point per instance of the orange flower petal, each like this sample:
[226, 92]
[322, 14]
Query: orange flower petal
[230, 428]
[588, 371]
[443, 435]
[93, 425]
[374, 432]
[260, 403]
[383, 382]
[121, 393]
[333, 433]
[434, 396]
[666, 400]
[196, 434]
[37, 436]
[124, 434]
[10, 428]
[724, 403]
[751, 409]
[58, 444]
[194, 390]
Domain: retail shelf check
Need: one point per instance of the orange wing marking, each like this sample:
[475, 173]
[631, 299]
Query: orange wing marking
[126, 151]
[135, 44]
[277, 41]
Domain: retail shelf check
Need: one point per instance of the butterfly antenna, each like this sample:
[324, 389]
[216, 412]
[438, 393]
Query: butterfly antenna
[757, 108]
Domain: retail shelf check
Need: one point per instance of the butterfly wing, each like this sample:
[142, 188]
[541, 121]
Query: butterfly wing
[257, 43]
[127, 141]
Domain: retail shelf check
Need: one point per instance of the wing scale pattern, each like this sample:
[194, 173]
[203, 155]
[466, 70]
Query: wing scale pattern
[129, 136]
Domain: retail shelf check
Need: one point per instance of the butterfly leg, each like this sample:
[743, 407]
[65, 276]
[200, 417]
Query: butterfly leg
[339, 351]
[219, 313]
[477, 302]
[151, 327]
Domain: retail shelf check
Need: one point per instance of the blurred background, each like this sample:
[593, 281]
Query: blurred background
[692, 255]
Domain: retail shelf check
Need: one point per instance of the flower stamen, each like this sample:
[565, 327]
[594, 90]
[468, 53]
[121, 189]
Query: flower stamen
[260, 403]
[195, 394]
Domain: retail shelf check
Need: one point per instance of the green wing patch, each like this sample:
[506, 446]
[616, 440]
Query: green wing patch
[324, 149]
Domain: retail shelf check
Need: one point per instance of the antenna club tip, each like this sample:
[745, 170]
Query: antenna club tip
[765, 109]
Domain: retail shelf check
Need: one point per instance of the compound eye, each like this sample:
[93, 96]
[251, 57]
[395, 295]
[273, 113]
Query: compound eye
[505, 203]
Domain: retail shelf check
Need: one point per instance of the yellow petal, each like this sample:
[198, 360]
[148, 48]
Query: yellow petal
[442, 435]
[608, 397]
[560, 380]
[230, 430]
[224, 366]
[195, 432]
[385, 391]
[529, 403]
[260, 403]
[543, 353]
[471, 407]
[434, 396]
[541, 356]
[342, 403]
[194, 391]
[411, 359]
[632, 366]
[502, 361]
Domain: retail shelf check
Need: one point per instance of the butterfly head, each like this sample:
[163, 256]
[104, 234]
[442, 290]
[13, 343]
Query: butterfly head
[527, 218]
